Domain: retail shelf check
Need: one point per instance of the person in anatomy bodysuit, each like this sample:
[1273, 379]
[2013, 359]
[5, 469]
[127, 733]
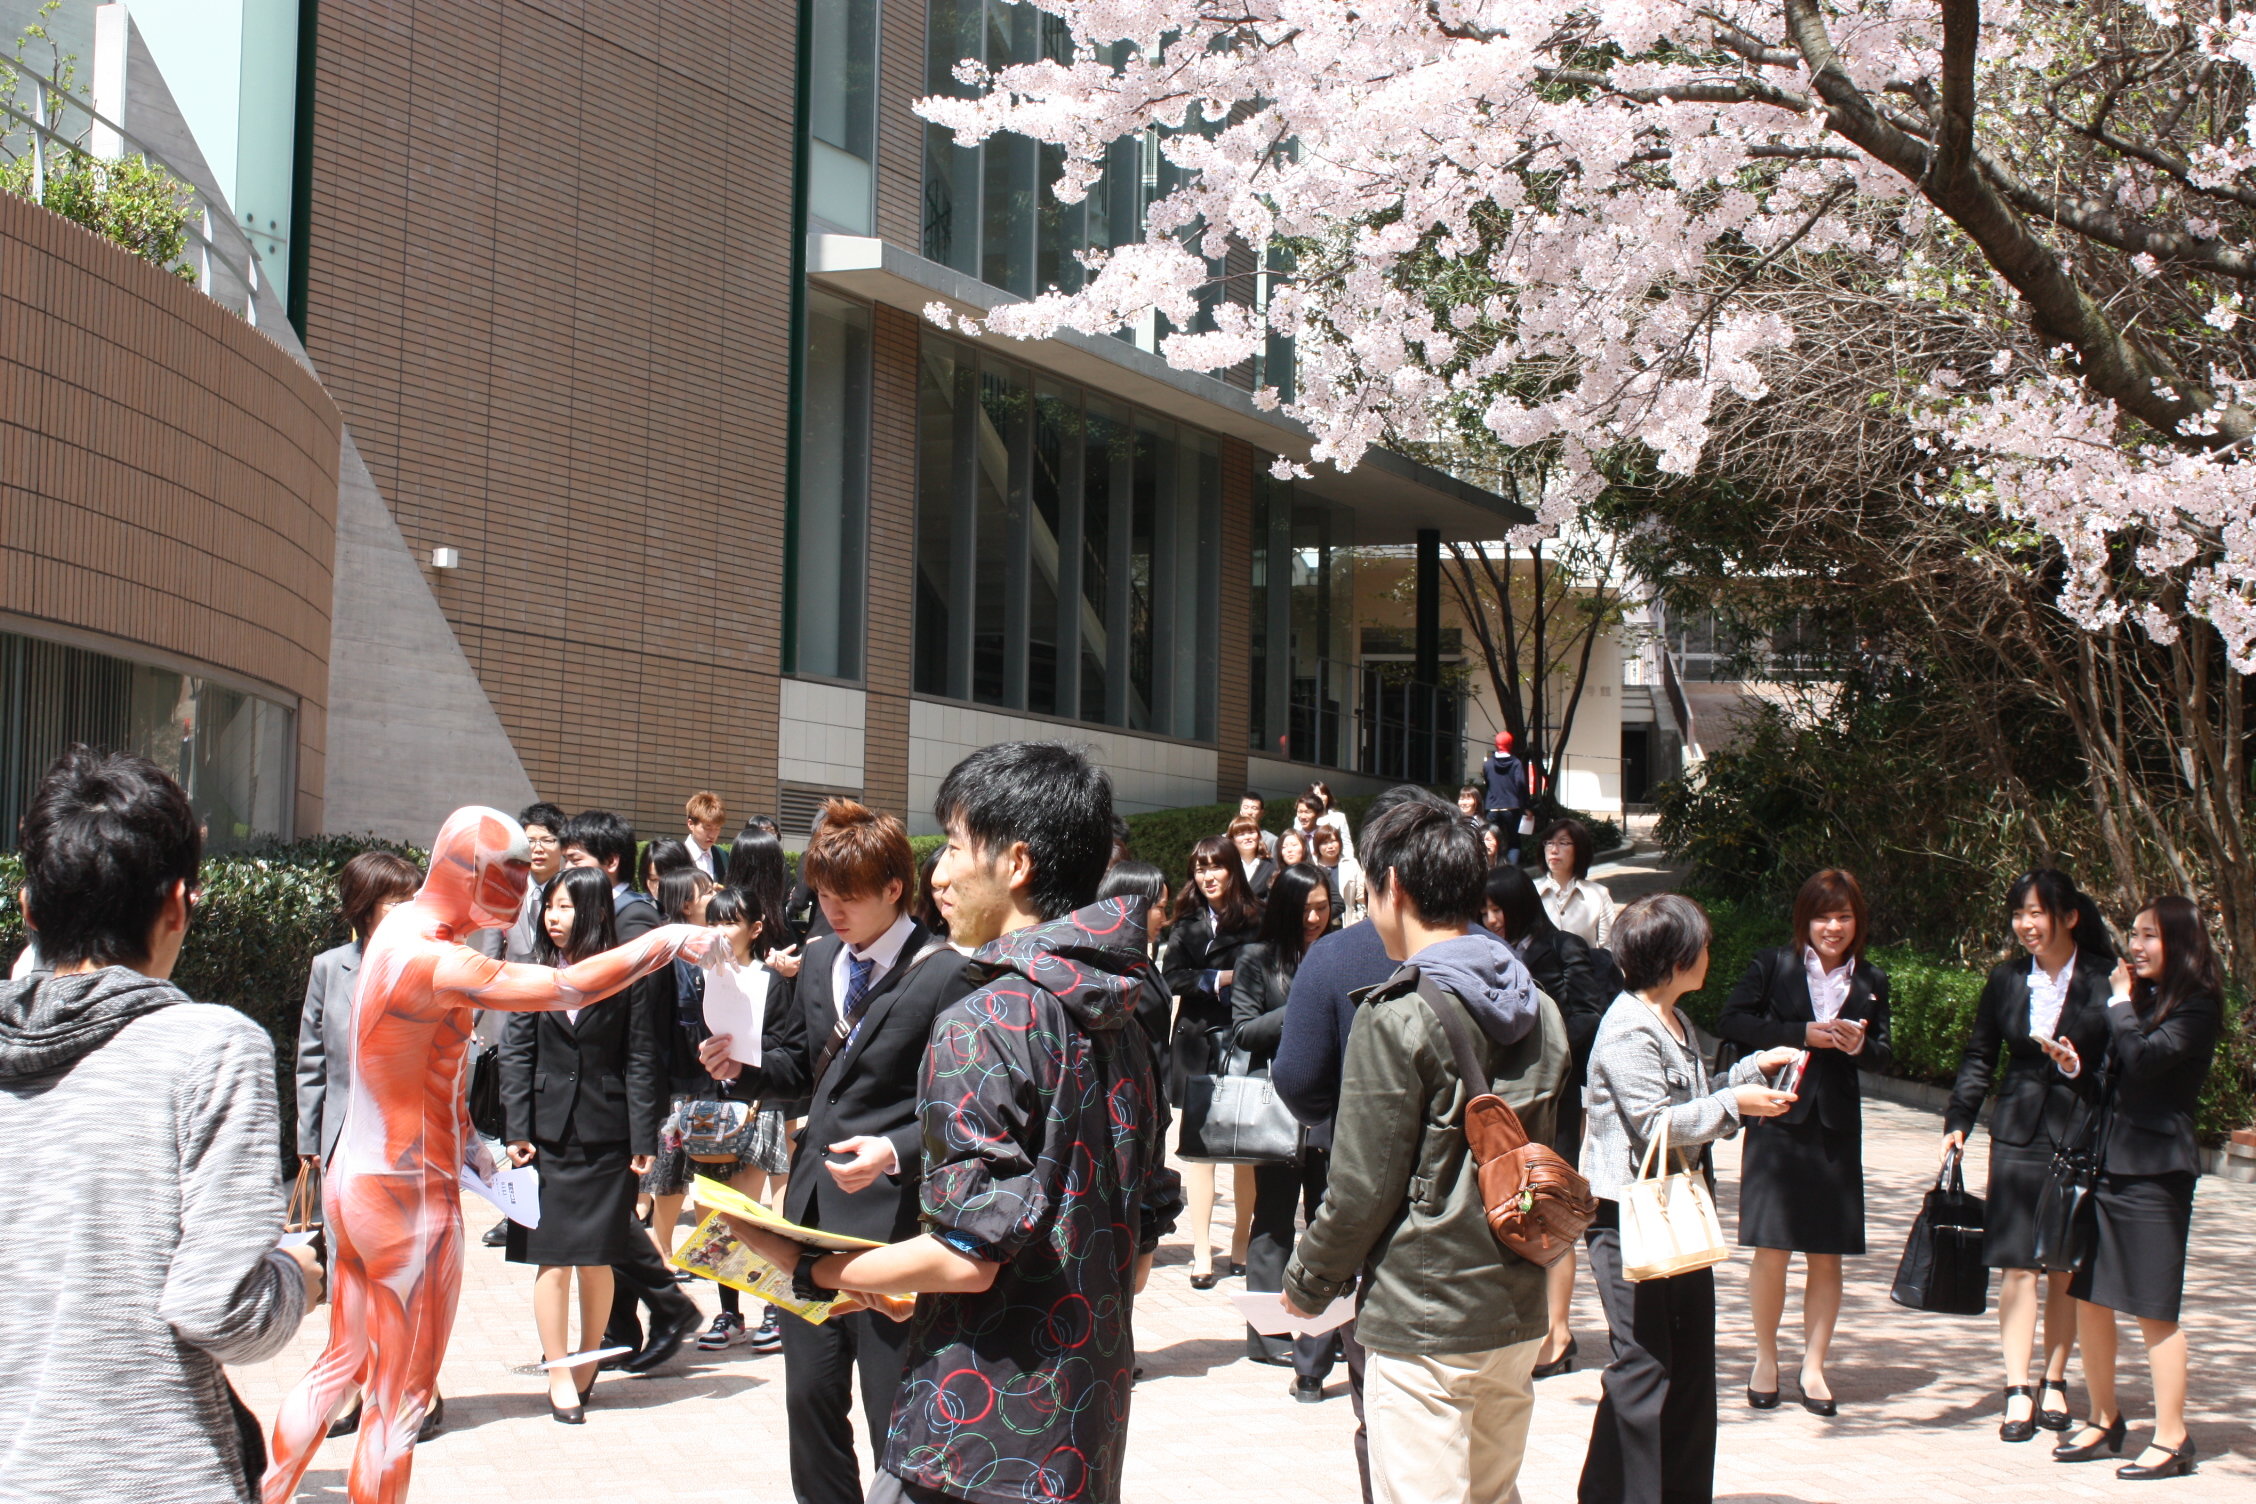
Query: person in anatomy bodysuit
[393, 1198]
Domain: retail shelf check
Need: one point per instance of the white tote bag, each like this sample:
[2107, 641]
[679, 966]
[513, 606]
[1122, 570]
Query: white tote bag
[1668, 1221]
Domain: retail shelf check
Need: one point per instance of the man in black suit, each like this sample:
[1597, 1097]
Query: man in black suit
[599, 838]
[854, 1041]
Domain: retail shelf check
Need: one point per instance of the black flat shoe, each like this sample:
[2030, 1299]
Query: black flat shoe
[346, 1424]
[2017, 1430]
[1237, 1270]
[2063, 1419]
[2180, 1464]
[2110, 1437]
[1205, 1281]
[1564, 1363]
[1762, 1399]
[434, 1420]
[1817, 1406]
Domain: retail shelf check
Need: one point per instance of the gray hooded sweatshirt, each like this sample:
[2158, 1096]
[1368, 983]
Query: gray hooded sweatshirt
[139, 1212]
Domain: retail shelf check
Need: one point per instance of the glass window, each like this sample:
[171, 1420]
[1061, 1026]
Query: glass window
[842, 113]
[231, 751]
[832, 509]
[1067, 551]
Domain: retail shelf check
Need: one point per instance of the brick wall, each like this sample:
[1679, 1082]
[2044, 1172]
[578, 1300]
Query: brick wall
[900, 134]
[1234, 671]
[892, 556]
[549, 262]
[168, 476]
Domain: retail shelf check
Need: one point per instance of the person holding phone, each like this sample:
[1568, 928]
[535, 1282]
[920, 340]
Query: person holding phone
[2059, 994]
[2163, 1018]
[1801, 1183]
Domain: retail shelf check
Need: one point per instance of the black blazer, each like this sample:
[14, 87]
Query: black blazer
[596, 1079]
[2033, 1098]
[1771, 1007]
[1194, 949]
[869, 1088]
[1562, 965]
[1257, 1000]
[1263, 874]
[2154, 1073]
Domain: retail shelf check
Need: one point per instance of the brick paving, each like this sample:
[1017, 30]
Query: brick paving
[1918, 1395]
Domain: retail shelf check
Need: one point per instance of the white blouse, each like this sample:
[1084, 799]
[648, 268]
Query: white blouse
[2048, 994]
[1581, 907]
[1828, 990]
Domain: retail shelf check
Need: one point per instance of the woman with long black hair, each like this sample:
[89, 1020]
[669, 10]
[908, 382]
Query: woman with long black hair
[1296, 914]
[1561, 964]
[2164, 1013]
[581, 1100]
[2059, 992]
[1215, 916]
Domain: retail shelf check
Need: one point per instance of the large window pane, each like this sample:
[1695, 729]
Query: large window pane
[842, 114]
[1054, 527]
[1150, 462]
[833, 502]
[942, 548]
[1104, 456]
[997, 651]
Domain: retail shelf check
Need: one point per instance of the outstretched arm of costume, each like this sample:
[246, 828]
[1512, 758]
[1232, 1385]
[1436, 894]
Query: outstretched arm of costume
[467, 979]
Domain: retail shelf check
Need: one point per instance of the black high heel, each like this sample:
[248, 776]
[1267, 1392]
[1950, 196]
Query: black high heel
[567, 1415]
[2180, 1464]
[2019, 1430]
[1206, 1281]
[1564, 1363]
[2063, 1419]
[2110, 1437]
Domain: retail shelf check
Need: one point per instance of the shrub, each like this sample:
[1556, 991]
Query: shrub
[261, 918]
[131, 202]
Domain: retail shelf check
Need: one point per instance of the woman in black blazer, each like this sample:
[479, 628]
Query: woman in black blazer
[581, 1098]
[1801, 1179]
[1214, 917]
[1297, 913]
[2163, 1018]
[1571, 975]
[2060, 992]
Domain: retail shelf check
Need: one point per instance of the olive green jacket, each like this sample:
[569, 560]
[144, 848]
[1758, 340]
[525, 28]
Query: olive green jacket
[1403, 1208]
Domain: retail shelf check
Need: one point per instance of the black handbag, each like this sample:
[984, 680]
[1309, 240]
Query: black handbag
[1942, 1269]
[2067, 1222]
[485, 1090]
[1235, 1117]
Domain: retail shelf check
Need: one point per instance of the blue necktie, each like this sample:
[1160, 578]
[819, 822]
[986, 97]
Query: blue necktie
[858, 969]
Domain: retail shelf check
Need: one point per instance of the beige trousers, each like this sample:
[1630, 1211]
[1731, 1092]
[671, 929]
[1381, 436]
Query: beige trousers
[1449, 1429]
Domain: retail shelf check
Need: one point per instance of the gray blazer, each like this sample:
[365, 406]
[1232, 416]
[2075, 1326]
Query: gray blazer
[325, 1049]
[1640, 1074]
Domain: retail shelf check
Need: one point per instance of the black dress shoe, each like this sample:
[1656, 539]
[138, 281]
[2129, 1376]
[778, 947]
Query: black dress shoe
[346, 1424]
[2110, 1436]
[567, 1415]
[666, 1338]
[1564, 1363]
[2180, 1464]
[1308, 1391]
[2017, 1430]
[1237, 1270]
[497, 1236]
[1817, 1406]
[1762, 1399]
[434, 1420]
[1205, 1281]
[2063, 1419]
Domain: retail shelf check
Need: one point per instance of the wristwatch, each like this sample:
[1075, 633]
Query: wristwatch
[803, 1283]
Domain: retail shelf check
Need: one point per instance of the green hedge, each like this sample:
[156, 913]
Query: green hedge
[261, 918]
[1931, 1009]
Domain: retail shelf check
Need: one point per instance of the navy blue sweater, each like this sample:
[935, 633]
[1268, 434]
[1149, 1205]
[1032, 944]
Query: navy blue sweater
[1318, 1015]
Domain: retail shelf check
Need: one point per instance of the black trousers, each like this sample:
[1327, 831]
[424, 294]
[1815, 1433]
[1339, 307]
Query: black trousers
[642, 1278]
[1282, 1193]
[1654, 1438]
[821, 1365]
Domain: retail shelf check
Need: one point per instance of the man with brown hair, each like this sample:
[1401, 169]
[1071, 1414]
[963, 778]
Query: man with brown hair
[854, 1041]
[704, 817]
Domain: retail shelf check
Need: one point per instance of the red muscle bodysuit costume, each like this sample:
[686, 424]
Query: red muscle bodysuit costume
[394, 1202]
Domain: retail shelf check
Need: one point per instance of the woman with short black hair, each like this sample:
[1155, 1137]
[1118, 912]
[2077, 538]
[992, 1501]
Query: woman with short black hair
[1801, 1178]
[2164, 1014]
[2058, 992]
[1655, 1432]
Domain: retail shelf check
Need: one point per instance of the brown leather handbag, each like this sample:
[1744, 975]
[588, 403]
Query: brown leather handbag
[1538, 1205]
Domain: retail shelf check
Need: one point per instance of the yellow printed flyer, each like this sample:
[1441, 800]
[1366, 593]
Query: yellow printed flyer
[713, 1251]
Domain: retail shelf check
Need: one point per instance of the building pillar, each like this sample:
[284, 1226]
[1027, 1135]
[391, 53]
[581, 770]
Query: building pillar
[892, 558]
[1234, 687]
[1423, 694]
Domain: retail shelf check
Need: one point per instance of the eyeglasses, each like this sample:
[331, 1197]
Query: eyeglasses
[543, 841]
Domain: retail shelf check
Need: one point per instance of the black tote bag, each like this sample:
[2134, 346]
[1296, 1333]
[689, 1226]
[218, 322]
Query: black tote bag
[1942, 1269]
[1235, 1117]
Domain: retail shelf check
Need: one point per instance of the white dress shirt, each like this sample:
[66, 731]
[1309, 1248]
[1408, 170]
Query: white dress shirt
[702, 858]
[882, 953]
[2048, 994]
[1828, 990]
[1581, 907]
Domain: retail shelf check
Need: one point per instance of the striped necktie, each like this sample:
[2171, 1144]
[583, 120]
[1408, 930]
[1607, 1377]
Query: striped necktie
[858, 969]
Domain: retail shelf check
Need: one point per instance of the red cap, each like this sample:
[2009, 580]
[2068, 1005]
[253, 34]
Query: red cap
[1503, 741]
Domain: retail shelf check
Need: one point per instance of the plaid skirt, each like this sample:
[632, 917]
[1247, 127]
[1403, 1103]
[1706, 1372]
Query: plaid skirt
[671, 1170]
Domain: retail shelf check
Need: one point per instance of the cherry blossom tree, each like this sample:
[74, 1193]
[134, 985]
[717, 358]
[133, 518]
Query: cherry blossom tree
[1537, 216]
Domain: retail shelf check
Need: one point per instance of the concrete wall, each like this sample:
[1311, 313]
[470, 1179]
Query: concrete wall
[1148, 773]
[168, 475]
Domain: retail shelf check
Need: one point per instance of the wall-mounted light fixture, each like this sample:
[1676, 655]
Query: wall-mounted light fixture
[446, 558]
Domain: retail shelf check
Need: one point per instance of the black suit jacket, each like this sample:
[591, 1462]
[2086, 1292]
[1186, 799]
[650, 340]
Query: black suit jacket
[1562, 966]
[2155, 1072]
[1771, 1007]
[1257, 1000]
[1193, 949]
[870, 1086]
[2033, 1098]
[596, 1078]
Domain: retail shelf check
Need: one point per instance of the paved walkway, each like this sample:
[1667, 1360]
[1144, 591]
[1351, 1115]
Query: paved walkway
[1918, 1395]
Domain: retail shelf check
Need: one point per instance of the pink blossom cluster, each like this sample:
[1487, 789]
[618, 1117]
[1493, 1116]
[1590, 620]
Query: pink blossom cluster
[1590, 162]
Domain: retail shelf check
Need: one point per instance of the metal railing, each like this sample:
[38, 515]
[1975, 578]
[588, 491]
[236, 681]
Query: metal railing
[232, 280]
[1373, 718]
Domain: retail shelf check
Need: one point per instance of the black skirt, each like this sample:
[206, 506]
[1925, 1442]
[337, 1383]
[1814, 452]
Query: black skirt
[2018, 1173]
[2138, 1259]
[587, 1201]
[1801, 1188]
